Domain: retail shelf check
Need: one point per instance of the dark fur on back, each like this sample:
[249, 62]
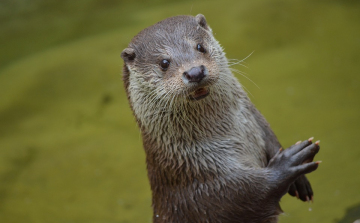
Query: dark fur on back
[207, 160]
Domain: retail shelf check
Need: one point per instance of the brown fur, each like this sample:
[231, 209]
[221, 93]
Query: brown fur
[207, 160]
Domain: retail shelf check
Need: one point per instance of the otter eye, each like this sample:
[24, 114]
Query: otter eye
[200, 48]
[164, 64]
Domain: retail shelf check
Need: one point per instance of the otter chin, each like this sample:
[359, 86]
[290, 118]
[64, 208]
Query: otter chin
[199, 94]
[216, 160]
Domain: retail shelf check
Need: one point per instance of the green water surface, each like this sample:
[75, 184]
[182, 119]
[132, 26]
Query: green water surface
[70, 150]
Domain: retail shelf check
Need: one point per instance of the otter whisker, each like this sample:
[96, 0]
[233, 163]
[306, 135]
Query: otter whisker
[248, 91]
[240, 61]
[243, 74]
[241, 64]
[232, 62]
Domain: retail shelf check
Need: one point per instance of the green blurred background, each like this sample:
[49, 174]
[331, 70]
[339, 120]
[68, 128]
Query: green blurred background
[70, 150]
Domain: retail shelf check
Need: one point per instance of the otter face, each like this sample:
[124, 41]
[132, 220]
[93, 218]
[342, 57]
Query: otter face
[175, 59]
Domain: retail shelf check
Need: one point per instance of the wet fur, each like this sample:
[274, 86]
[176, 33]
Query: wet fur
[206, 159]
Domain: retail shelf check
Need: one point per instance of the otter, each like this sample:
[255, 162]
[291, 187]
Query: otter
[211, 156]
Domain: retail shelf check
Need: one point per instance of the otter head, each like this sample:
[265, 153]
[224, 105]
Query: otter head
[173, 65]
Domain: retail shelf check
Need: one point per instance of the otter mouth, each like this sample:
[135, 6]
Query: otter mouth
[199, 94]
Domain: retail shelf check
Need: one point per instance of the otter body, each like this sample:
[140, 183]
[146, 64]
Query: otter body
[211, 156]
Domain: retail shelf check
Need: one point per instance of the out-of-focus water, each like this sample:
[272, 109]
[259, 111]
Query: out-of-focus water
[70, 150]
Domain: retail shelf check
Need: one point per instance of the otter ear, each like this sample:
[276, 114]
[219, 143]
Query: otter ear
[128, 54]
[200, 18]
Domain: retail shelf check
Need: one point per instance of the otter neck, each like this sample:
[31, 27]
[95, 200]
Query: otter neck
[195, 139]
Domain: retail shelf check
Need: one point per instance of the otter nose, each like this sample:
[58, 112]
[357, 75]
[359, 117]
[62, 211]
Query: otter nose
[195, 74]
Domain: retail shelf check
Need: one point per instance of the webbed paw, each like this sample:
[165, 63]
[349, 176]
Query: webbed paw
[289, 166]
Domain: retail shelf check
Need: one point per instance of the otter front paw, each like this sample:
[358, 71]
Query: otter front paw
[301, 189]
[291, 164]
